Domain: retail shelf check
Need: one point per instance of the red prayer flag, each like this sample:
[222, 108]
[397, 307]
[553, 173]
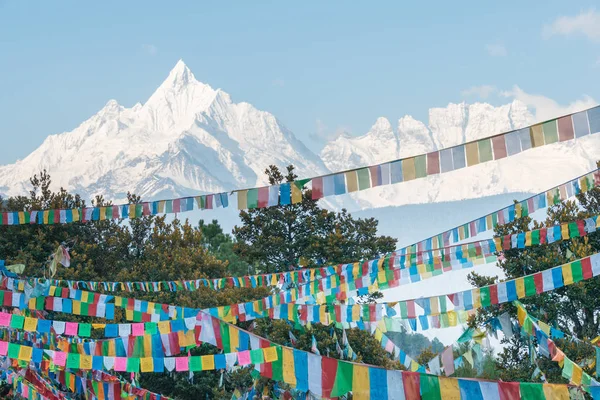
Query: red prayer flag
[317, 188]
[494, 294]
[176, 205]
[565, 128]
[263, 197]
[412, 385]
[538, 279]
[586, 266]
[499, 145]
[433, 163]
[329, 370]
[509, 390]
[375, 175]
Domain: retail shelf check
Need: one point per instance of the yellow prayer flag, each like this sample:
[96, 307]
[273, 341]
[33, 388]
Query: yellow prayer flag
[30, 324]
[355, 312]
[296, 194]
[528, 238]
[378, 335]
[111, 348]
[518, 210]
[556, 392]
[75, 212]
[564, 231]
[567, 273]
[452, 318]
[352, 181]
[476, 293]
[536, 135]
[147, 345]
[85, 361]
[472, 153]
[98, 326]
[498, 242]
[234, 338]
[164, 326]
[147, 364]
[289, 372]
[85, 297]
[520, 283]
[434, 305]
[132, 211]
[129, 315]
[361, 386]
[208, 362]
[449, 388]
[489, 221]
[414, 366]
[76, 307]
[521, 315]
[102, 213]
[25, 353]
[242, 199]
[409, 171]
[577, 373]
[270, 354]
[21, 217]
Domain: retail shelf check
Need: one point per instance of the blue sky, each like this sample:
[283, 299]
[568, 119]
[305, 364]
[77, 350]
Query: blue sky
[320, 67]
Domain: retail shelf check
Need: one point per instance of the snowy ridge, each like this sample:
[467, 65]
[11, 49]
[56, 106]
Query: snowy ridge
[189, 138]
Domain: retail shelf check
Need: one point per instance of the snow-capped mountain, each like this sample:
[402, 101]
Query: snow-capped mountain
[189, 138]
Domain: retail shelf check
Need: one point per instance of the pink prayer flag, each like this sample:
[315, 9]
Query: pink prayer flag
[25, 391]
[448, 361]
[4, 319]
[71, 328]
[3, 348]
[60, 358]
[120, 364]
[182, 364]
[244, 357]
[137, 329]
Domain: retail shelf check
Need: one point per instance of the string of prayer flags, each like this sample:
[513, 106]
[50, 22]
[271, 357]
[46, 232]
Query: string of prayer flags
[327, 377]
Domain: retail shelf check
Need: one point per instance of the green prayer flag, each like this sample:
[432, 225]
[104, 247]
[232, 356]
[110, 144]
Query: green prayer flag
[484, 294]
[364, 180]
[17, 321]
[343, 379]
[151, 328]
[443, 307]
[85, 330]
[277, 366]
[567, 371]
[529, 285]
[225, 338]
[573, 230]
[485, 150]
[577, 271]
[169, 206]
[13, 350]
[550, 132]
[535, 237]
[133, 364]
[532, 390]
[257, 356]
[196, 363]
[252, 198]
[421, 166]
[73, 360]
[430, 387]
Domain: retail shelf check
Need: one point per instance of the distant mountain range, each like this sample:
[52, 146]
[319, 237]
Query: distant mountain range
[189, 138]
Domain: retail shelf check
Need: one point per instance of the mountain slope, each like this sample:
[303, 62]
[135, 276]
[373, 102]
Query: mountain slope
[186, 139]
